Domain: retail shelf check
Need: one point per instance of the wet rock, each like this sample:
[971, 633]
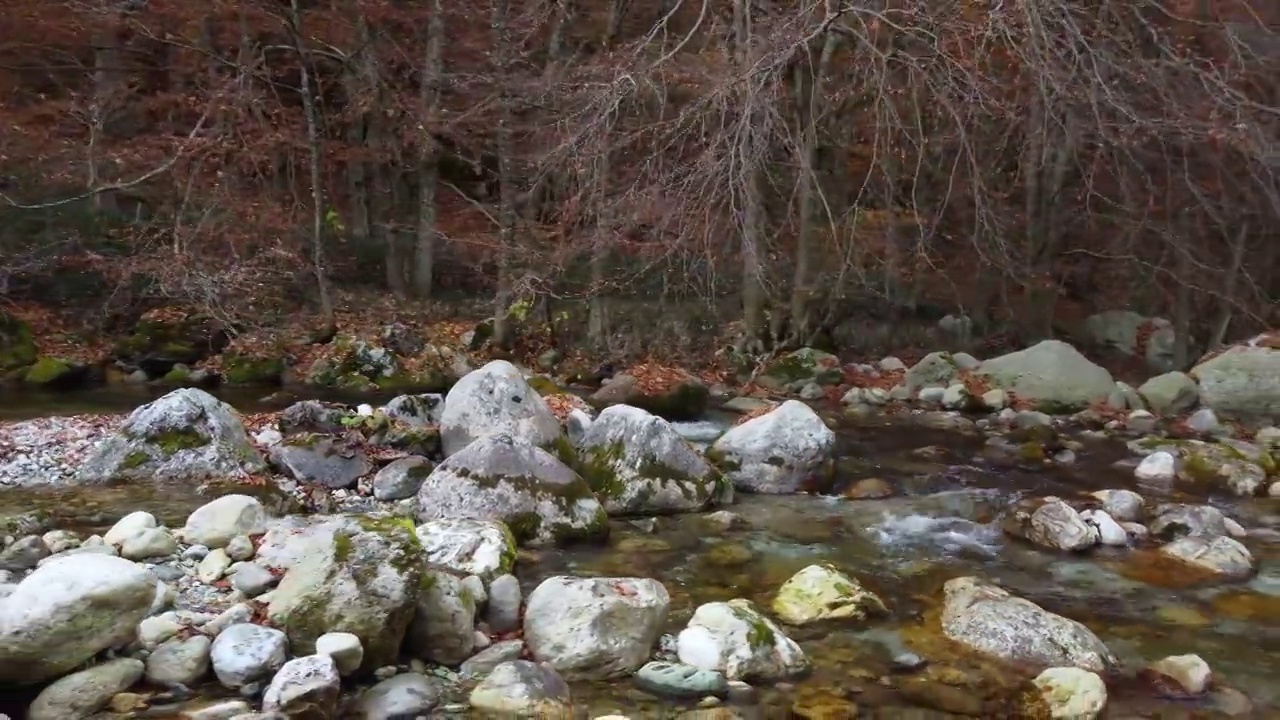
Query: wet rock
[1190, 674]
[596, 628]
[402, 478]
[1052, 374]
[506, 478]
[820, 592]
[736, 639]
[1071, 693]
[1222, 556]
[496, 399]
[1171, 393]
[1205, 422]
[1052, 524]
[1108, 530]
[943, 698]
[344, 648]
[468, 547]
[786, 450]
[637, 463]
[216, 523]
[868, 489]
[1158, 466]
[1173, 521]
[179, 661]
[442, 626]
[990, 620]
[681, 681]
[244, 653]
[357, 574]
[935, 370]
[523, 687]
[185, 436]
[67, 611]
[404, 695]
[84, 693]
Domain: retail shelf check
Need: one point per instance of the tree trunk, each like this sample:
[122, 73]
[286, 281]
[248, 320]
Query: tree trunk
[314, 153]
[424, 255]
[810, 111]
[753, 295]
[503, 332]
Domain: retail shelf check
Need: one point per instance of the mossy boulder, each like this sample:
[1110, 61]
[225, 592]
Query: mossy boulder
[638, 464]
[789, 449]
[683, 397]
[1051, 374]
[354, 364]
[507, 478]
[802, 367]
[186, 435]
[1243, 382]
[17, 343]
[163, 339]
[246, 369]
[820, 592]
[736, 639]
[51, 372]
[361, 574]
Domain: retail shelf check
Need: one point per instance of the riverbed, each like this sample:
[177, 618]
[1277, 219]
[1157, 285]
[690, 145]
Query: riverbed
[942, 521]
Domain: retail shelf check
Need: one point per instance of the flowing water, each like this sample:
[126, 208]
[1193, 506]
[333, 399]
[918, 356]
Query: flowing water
[941, 523]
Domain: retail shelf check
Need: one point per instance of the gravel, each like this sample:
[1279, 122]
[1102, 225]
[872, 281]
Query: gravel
[47, 451]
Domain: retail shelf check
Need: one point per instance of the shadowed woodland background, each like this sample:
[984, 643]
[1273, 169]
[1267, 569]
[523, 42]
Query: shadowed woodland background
[777, 168]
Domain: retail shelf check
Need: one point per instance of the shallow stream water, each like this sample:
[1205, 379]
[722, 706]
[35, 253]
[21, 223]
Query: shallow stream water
[941, 523]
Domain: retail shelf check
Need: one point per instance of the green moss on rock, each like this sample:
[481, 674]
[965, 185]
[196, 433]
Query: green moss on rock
[240, 369]
[47, 371]
[171, 442]
[17, 343]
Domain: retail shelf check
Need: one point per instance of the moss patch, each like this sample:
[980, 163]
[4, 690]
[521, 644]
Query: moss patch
[17, 343]
[171, 442]
[249, 370]
[47, 371]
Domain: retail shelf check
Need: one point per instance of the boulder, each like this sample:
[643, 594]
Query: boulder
[507, 478]
[638, 464]
[683, 397]
[1149, 338]
[1070, 693]
[736, 639]
[69, 610]
[1170, 394]
[800, 368]
[496, 399]
[935, 370]
[304, 687]
[362, 575]
[185, 436]
[313, 416]
[422, 410]
[1243, 382]
[787, 450]
[469, 547]
[443, 627]
[215, 523]
[595, 628]
[1051, 374]
[820, 592]
[405, 695]
[1222, 556]
[322, 461]
[990, 620]
[243, 654]
[1051, 523]
[519, 688]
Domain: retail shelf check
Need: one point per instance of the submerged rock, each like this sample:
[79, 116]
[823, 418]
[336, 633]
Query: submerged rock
[506, 478]
[1190, 673]
[1054, 524]
[820, 592]
[187, 435]
[1071, 693]
[990, 620]
[1222, 556]
[681, 681]
[523, 688]
[597, 628]
[638, 464]
[787, 450]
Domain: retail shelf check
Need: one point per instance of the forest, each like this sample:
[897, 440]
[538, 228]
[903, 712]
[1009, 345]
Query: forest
[785, 165]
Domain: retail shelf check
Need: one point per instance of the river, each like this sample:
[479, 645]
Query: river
[941, 523]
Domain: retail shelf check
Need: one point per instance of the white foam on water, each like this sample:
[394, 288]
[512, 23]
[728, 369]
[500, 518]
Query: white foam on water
[949, 534]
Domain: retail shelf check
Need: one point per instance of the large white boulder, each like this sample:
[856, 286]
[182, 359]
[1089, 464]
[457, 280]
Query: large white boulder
[1051, 374]
[786, 450]
[1244, 381]
[736, 639]
[496, 399]
[596, 628]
